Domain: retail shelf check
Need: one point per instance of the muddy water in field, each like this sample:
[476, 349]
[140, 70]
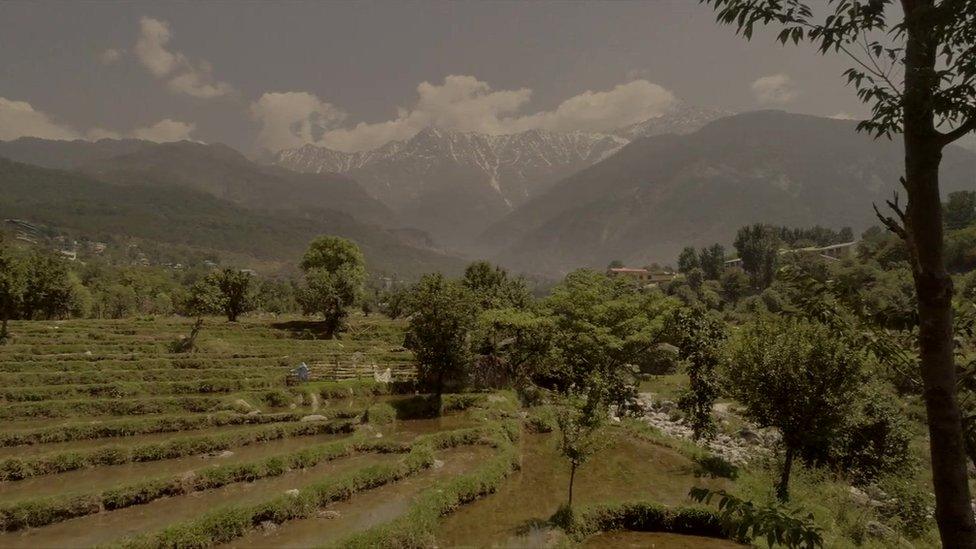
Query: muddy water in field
[111, 526]
[626, 539]
[100, 478]
[367, 509]
[628, 469]
[36, 449]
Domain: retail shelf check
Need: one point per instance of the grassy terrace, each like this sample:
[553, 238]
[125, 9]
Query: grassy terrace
[111, 440]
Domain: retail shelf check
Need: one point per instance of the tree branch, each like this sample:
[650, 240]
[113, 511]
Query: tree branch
[966, 127]
[890, 222]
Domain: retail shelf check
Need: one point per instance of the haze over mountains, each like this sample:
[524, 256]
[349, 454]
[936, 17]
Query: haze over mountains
[454, 185]
[539, 202]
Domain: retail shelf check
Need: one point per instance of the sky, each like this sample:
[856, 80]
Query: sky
[352, 76]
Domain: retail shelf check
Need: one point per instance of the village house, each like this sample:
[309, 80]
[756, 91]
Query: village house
[644, 276]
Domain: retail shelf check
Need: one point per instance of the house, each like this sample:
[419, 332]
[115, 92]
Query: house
[644, 276]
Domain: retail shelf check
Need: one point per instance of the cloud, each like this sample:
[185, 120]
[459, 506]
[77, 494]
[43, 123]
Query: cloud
[182, 75]
[843, 115]
[460, 103]
[291, 119]
[776, 89]
[21, 119]
[110, 56]
[165, 130]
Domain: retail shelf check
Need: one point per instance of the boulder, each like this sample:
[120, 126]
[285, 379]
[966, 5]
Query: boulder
[313, 417]
[329, 514]
[293, 492]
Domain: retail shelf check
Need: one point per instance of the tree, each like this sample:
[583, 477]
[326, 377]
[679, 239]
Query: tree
[235, 292]
[47, 291]
[931, 44]
[758, 247]
[688, 260]
[602, 331]
[699, 337]
[615, 264]
[580, 421]
[798, 377]
[335, 272]
[493, 288]
[444, 314]
[960, 210]
[13, 281]
[735, 285]
[712, 261]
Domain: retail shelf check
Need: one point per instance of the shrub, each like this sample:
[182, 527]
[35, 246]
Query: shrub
[380, 414]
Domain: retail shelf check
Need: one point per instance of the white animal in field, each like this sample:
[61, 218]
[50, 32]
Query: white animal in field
[384, 377]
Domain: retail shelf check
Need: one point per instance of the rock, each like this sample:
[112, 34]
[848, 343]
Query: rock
[268, 526]
[877, 530]
[254, 413]
[329, 514]
[313, 417]
[242, 404]
[292, 406]
[861, 497]
[615, 419]
[88, 353]
[223, 454]
[293, 492]
[748, 435]
[437, 464]
[379, 435]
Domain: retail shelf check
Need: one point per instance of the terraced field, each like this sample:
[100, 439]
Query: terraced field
[110, 439]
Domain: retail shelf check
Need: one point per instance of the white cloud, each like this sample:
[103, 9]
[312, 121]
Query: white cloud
[460, 103]
[183, 76]
[775, 89]
[110, 56]
[20, 119]
[165, 130]
[291, 119]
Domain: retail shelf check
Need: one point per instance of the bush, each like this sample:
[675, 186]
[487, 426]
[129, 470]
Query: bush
[642, 516]
[276, 399]
[380, 414]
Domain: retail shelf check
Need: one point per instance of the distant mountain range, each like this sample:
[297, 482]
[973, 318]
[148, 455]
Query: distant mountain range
[454, 185]
[658, 194]
[537, 202]
[207, 196]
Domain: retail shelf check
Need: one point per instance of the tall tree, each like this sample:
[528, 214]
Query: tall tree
[687, 260]
[444, 314]
[493, 287]
[699, 337]
[335, 272]
[48, 288]
[712, 261]
[915, 64]
[235, 291]
[758, 247]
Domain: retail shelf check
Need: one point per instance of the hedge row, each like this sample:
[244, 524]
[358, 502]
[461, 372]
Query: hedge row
[112, 407]
[24, 379]
[138, 389]
[41, 512]
[417, 526]
[17, 468]
[145, 426]
[229, 523]
[645, 516]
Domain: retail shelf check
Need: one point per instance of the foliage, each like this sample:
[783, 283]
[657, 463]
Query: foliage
[774, 523]
[799, 377]
[758, 247]
[735, 285]
[440, 331]
[699, 338]
[47, 291]
[688, 260]
[640, 516]
[712, 261]
[493, 288]
[580, 420]
[959, 211]
[875, 439]
[335, 272]
[13, 282]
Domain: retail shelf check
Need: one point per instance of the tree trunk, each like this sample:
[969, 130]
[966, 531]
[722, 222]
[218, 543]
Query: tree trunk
[783, 488]
[924, 235]
[572, 480]
[3, 329]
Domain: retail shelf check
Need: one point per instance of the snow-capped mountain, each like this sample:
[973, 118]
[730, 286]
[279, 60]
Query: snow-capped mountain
[453, 184]
[681, 120]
